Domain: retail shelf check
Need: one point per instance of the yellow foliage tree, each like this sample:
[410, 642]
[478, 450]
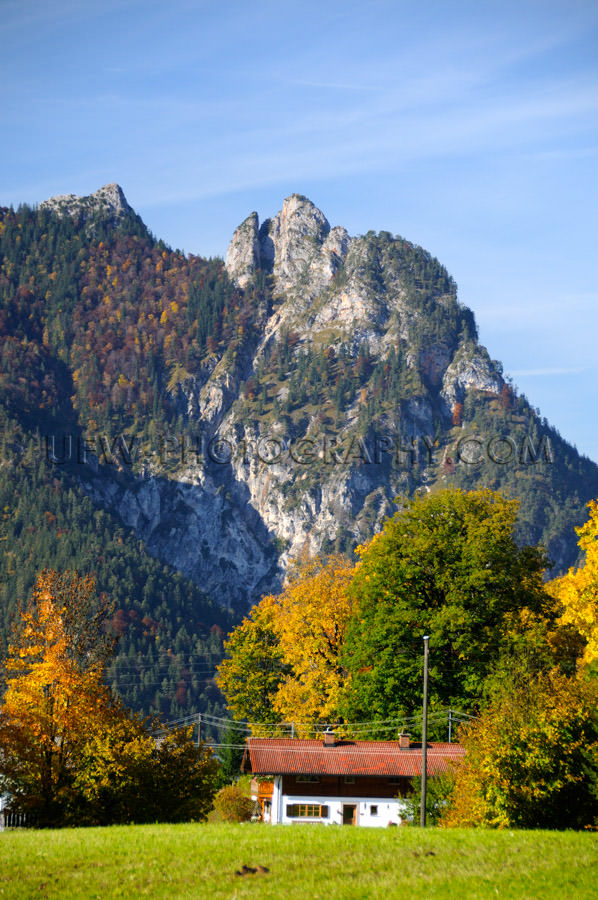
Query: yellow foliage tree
[577, 591]
[310, 618]
[305, 627]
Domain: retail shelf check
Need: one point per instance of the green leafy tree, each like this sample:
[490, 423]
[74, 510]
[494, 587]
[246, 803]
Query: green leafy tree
[255, 669]
[125, 775]
[447, 565]
[439, 791]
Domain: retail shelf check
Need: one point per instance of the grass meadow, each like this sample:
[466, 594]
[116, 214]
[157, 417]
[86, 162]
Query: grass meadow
[200, 861]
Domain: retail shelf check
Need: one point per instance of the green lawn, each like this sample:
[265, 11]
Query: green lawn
[310, 862]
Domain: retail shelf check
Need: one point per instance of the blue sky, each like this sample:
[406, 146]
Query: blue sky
[469, 128]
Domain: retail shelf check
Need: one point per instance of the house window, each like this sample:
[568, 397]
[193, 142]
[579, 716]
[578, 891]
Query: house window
[307, 811]
[349, 779]
[373, 810]
[313, 779]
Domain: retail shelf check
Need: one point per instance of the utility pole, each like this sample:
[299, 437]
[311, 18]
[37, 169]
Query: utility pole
[422, 820]
[198, 729]
[450, 725]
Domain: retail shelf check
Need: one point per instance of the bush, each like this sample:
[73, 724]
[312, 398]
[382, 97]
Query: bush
[233, 805]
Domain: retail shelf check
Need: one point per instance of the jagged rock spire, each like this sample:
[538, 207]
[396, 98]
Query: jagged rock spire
[284, 245]
[243, 254]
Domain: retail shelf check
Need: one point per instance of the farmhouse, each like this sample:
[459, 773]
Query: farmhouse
[331, 781]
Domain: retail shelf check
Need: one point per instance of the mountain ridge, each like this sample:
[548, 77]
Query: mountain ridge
[108, 200]
[334, 373]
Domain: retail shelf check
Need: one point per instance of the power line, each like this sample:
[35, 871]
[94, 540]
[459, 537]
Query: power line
[356, 728]
[359, 726]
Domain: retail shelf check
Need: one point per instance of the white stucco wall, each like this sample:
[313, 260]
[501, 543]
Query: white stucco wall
[373, 812]
[388, 810]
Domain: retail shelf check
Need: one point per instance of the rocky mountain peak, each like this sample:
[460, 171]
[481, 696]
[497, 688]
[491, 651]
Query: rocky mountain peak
[285, 245]
[289, 241]
[109, 201]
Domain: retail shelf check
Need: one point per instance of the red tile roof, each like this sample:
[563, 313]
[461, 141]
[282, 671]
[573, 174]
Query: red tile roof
[285, 756]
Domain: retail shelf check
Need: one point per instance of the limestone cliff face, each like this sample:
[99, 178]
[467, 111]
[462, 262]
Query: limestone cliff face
[470, 367]
[345, 401]
[297, 246]
[243, 257]
[338, 288]
[336, 294]
[203, 526]
[292, 241]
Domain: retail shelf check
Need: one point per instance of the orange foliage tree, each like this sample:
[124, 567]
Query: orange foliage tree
[69, 751]
[54, 693]
[458, 414]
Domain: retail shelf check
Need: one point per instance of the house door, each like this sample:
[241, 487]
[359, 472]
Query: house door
[349, 813]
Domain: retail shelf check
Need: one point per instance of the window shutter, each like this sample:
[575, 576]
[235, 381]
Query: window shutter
[324, 812]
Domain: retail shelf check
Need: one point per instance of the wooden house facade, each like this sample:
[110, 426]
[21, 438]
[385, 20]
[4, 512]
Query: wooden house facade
[365, 783]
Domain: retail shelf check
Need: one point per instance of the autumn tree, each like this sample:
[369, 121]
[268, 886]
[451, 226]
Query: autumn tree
[458, 414]
[446, 565]
[285, 659]
[577, 591]
[532, 757]
[69, 751]
[125, 775]
[233, 805]
[54, 694]
[506, 396]
[88, 640]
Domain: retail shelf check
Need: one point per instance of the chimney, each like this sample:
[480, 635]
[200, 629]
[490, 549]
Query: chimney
[404, 740]
[329, 740]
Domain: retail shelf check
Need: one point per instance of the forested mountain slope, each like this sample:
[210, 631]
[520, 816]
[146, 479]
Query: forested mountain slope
[166, 414]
